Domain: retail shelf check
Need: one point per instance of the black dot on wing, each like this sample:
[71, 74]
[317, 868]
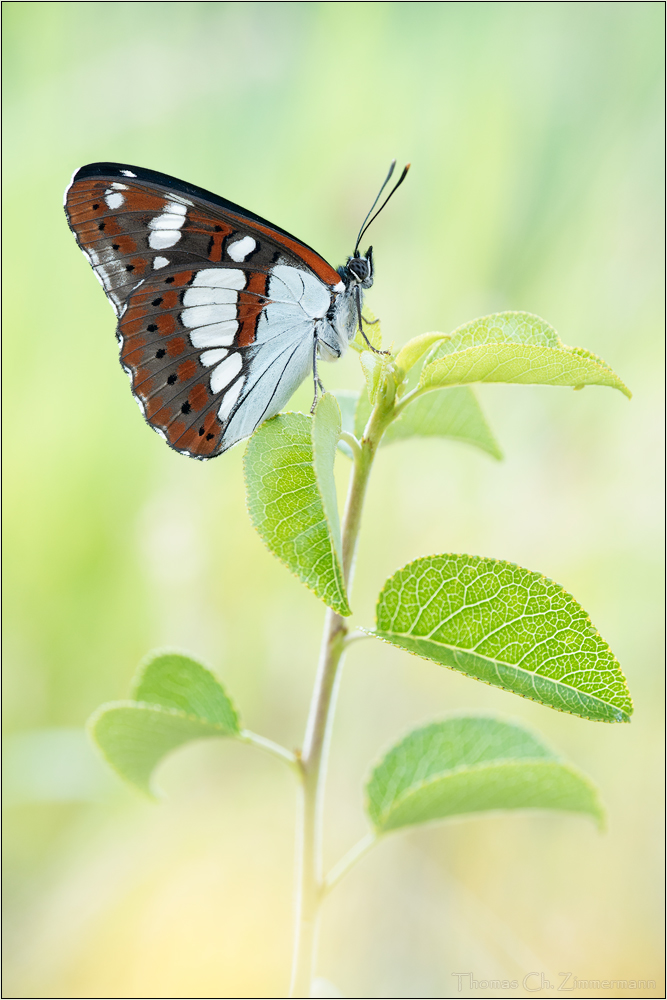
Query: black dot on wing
[161, 353]
[130, 267]
[186, 407]
[172, 379]
[115, 246]
[209, 437]
[156, 302]
[218, 229]
[168, 281]
[95, 207]
[151, 327]
[201, 431]
[101, 225]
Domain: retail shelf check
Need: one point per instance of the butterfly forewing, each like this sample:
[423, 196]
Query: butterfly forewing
[217, 308]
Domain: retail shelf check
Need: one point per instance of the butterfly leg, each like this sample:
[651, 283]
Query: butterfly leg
[317, 382]
[361, 321]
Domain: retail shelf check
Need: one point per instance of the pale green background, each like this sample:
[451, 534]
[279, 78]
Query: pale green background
[535, 133]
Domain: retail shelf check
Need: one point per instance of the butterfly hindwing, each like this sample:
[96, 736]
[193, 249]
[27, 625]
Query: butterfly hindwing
[217, 308]
[200, 377]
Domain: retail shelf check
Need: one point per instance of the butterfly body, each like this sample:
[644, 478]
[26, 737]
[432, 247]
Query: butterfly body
[221, 315]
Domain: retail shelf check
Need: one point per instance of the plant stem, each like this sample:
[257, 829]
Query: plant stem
[355, 636]
[353, 855]
[309, 876]
[270, 747]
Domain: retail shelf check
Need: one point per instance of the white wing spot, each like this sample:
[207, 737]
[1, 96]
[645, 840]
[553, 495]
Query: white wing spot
[128, 173]
[207, 296]
[239, 251]
[220, 277]
[168, 220]
[225, 373]
[159, 262]
[209, 358]
[203, 315]
[165, 227]
[162, 239]
[218, 335]
[114, 199]
[229, 400]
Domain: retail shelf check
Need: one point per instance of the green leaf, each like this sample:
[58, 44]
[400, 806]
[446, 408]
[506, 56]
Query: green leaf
[325, 434]
[513, 347]
[285, 506]
[465, 765]
[410, 353]
[177, 700]
[506, 626]
[134, 737]
[498, 328]
[452, 413]
[172, 680]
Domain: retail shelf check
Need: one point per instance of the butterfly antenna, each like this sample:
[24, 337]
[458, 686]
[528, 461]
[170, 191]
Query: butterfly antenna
[367, 221]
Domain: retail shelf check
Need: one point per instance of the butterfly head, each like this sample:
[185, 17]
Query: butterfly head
[358, 271]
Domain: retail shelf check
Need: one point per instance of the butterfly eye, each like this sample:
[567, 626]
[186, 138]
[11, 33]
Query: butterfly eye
[359, 267]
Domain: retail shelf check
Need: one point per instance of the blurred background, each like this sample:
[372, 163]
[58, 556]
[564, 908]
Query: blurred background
[535, 134]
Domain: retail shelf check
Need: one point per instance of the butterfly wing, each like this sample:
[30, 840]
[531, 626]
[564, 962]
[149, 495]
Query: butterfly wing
[218, 309]
[185, 344]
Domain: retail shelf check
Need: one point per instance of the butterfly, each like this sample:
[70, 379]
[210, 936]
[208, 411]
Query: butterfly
[221, 315]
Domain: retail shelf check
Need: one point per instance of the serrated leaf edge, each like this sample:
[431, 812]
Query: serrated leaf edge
[625, 715]
[154, 707]
[155, 654]
[337, 555]
[150, 791]
[430, 339]
[343, 609]
[562, 349]
[495, 453]
[622, 715]
[489, 766]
